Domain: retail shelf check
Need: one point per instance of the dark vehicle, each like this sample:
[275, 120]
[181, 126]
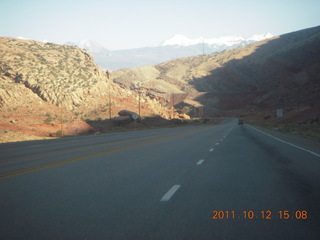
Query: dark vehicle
[240, 121]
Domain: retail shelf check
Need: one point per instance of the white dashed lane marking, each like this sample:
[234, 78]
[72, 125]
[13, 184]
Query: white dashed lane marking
[170, 193]
[211, 150]
[200, 162]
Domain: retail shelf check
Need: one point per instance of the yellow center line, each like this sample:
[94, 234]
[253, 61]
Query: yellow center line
[37, 168]
[53, 153]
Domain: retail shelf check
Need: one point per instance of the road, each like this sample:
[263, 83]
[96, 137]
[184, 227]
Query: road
[223, 181]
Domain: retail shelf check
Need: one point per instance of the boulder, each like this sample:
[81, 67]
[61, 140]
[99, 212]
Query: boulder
[133, 115]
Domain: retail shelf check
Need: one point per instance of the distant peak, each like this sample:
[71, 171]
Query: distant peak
[85, 41]
[179, 36]
[261, 37]
[177, 39]
[181, 40]
[91, 46]
[268, 35]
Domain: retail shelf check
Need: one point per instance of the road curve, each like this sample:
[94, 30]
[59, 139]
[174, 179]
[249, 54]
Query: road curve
[223, 181]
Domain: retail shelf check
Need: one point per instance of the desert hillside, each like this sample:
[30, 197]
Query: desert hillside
[58, 74]
[49, 90]
[281, 72]
[46, 89]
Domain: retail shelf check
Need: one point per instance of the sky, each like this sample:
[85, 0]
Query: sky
[125, 24]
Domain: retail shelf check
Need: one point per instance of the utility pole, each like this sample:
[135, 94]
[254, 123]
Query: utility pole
[139, 100]
[61, 119]
[109, 107]
[202, 46]
[139, 94]
[172, 105]
[109, 76]
[61, 115]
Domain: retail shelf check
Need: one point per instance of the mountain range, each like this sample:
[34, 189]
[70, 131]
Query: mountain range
[175, 47]
[181, 40]
[252, 80]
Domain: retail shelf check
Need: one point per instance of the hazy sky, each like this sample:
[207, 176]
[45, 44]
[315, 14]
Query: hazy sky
[122, 24]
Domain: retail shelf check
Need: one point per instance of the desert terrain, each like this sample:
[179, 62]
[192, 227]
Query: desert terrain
[50, 90]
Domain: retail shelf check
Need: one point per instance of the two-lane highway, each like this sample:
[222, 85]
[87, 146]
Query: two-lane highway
[226, 181]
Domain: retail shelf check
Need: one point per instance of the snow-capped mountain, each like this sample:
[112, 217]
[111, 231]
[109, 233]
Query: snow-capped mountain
[262, 37]
[175, 47]
[181, 40]
[91, 46]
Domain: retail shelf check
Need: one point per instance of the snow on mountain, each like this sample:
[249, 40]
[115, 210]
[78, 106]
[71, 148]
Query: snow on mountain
[91, 46]
[225, 41]
[261, 37]
[181, 40]
[175, 47]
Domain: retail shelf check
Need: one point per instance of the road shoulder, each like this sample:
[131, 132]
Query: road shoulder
[303, 142]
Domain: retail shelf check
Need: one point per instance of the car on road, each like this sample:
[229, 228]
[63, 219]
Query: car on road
[241, 121]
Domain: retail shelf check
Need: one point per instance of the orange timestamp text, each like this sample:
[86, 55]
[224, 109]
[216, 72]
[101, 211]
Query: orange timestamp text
[268, 215]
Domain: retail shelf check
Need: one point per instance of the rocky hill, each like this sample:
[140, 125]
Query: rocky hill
[40, 83]
[281, 72]
[58, 74]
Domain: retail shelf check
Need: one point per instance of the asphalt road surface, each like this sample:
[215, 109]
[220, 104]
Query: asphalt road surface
[223, 181]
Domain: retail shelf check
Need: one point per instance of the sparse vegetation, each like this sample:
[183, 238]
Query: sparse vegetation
[252, 77]
[311, 130]
[49, 119]
[307, 130]
[50, 70]
[59, 133]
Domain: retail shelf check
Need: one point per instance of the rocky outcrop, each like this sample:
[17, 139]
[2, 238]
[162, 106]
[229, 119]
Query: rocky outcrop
[59, 74]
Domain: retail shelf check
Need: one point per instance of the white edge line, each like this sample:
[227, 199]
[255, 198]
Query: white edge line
[200, 162]
[301, 148]
[170, 193]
